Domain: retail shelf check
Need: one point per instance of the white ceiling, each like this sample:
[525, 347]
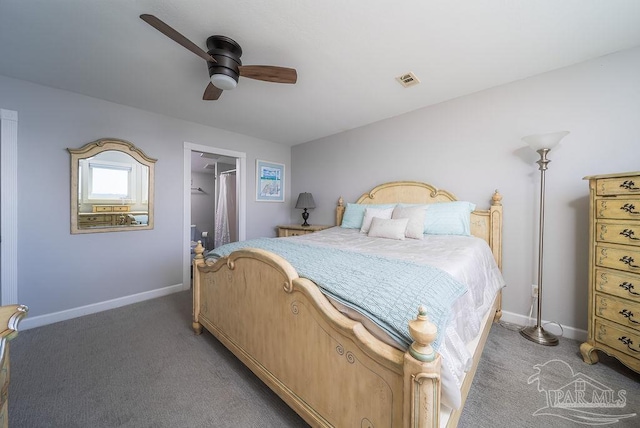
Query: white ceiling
[347, 53]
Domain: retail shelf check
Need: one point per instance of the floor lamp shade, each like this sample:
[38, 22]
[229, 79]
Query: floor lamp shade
[544, 141]
[541, 143]
[305, 201]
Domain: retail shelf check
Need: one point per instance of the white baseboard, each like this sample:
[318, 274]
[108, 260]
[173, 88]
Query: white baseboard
[40, 320]
[566, 331]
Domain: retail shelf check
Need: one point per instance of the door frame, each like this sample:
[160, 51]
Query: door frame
[9, 207]
[241, 198]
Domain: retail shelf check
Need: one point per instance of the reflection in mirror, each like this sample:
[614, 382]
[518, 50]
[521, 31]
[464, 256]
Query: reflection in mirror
[112, 187]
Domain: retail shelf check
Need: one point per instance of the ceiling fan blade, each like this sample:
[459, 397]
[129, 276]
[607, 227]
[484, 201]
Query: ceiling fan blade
[211, 93]
[269, 73]
[175, 36]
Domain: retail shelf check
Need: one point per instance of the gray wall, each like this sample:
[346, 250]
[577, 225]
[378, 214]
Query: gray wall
[469, 146]
[472, 145]
[58, 271]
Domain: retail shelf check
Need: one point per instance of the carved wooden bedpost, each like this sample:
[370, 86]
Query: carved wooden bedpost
[422, 375]
[496, 241]
[198, 260]
[339, 211]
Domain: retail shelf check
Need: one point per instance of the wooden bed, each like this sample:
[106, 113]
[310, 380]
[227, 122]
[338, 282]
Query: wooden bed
[325, 366]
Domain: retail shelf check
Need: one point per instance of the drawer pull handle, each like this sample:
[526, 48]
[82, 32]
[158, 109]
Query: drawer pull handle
[628, 342]
[630, 208]
[629, 185]
[628, 260]
[629, 287]
[628, 315]
[629, 233]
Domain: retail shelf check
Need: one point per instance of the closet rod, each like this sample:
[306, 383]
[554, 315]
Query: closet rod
[228, 171]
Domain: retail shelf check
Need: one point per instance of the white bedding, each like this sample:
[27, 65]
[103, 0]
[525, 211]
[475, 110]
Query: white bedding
[467, 259]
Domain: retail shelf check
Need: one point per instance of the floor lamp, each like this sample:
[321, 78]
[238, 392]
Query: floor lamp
[541, 143]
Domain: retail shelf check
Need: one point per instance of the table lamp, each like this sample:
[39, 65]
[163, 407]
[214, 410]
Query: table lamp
[305, 201]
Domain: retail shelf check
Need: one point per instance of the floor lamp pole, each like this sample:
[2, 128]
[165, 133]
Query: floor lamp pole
[537, 333]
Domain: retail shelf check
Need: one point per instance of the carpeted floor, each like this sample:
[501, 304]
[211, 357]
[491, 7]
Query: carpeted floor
[501, 395]
[142, 366]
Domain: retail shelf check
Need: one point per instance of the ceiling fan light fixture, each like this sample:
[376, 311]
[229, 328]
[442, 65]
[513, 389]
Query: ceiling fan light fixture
[224, 82]
[223, 61]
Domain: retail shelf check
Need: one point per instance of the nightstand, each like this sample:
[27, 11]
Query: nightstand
[296, 230]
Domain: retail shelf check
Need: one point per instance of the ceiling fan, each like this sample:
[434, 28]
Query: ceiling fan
[223, 60]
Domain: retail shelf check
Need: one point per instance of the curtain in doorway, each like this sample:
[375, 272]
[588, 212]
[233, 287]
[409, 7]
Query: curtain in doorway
[222, 235]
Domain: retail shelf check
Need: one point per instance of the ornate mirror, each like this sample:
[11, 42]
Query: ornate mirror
[112, 187]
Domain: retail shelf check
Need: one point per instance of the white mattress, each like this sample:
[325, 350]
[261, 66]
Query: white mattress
[467, 259]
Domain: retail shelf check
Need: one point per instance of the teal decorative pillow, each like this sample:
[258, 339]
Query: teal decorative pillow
[449, 218]
[354, 214]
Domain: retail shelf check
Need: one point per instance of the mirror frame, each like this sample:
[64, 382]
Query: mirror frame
[94, 148]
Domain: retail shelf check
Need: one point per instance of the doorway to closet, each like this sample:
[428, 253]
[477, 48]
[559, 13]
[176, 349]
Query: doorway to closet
[214, 199]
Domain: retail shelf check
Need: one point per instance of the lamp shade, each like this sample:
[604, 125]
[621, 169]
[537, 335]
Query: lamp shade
[305, 200]
[544, 141]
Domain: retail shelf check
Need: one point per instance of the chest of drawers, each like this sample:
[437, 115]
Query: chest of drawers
[614, 268]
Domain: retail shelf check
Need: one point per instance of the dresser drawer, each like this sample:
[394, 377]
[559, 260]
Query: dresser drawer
[618, 338]
[111, 208]
[625, 209]
[621, 311]
[296, 230]
[618, 257]
[618, 284]
[290, 232]
[95, 219]
[618, 232]
[618, 186]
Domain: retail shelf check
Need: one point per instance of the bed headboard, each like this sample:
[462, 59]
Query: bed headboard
[485, 224]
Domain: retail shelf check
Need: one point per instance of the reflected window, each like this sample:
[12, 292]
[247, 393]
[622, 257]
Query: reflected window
[110, 177]
[109, 181]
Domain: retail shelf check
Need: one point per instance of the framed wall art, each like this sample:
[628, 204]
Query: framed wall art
[269, 181]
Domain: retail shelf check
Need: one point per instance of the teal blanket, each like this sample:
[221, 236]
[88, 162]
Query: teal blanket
[387, 291]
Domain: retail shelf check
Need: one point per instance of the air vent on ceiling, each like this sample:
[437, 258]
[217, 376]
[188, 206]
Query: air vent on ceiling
[210, 166]
[408, 79]
[209, 156]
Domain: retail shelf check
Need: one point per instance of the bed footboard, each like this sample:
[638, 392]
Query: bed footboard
[325, 366]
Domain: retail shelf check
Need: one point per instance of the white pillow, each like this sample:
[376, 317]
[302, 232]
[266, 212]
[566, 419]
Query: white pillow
[416, 215]
[388, 228]
[370, 213]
